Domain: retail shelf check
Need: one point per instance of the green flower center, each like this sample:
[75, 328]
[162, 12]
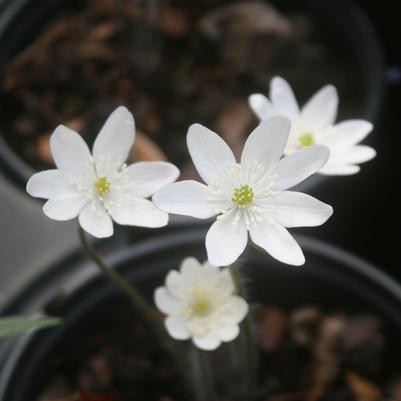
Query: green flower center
[306, 140]
[102, 186]
[200, 307]
[243, 195]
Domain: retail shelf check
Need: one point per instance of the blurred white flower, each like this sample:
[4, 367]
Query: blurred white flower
[101, 188]
[250, 196]
[315, 124]
[200, 303]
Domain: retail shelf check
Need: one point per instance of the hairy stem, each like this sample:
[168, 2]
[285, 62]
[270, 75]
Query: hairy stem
[142, 305]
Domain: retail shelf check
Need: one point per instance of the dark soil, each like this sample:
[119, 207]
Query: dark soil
[304, 355]
[171, 62]
[111, 356]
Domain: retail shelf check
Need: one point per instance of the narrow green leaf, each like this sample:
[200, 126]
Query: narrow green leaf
[13, 325]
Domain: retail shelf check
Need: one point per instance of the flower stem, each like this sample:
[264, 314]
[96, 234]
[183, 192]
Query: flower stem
[122, 284]
[247, 326]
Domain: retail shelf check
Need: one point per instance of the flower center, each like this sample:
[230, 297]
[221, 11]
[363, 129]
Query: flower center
[243, 195]
[102, 185]
[200, 307]
[306, 140]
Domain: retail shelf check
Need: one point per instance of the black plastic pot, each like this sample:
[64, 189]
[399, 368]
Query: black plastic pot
[332, 279]
[343, 22]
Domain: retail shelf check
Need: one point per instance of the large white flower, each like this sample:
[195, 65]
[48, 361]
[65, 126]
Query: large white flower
[250, 196]
[200, 303]
[101, 188]
[314, 124]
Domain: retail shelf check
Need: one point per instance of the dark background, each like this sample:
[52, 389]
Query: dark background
[367, 206]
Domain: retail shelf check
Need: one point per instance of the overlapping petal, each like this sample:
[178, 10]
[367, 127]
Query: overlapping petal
[261, 106]
[165, 302]
[138, 212]
[295, 209]
[283, 98]
[50, 184]
[339, 169]
[348, 133]
[188, 198]
[176, 327]
[148, 177]
[70, 152]
[95, 220]
[278, 242]
[208, 342]
[226, 240]
[65, 207]
[114, 140]
[267, 141]
[353, 155]
[298, 166]
[209, 153]
[321, 109]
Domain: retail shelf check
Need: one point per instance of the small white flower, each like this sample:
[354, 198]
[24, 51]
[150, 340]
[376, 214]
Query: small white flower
[250, 196]
[200, 303]
[101, 188]
[314, 124]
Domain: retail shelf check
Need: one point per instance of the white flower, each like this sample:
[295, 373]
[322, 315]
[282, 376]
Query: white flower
[200, 303]
[101, 188]
[314, 124]
[250, 196]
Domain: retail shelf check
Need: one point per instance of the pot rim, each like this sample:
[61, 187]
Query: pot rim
[344, 259]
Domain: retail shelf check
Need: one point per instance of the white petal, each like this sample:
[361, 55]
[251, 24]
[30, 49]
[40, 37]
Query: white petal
[95, 220]
[321, 109]
[353, 155]
[225, 282]
[175, 326]
[283, 98]
[115, 138]
[175, 283]
[295, 209]
[190, 268]
[227, 333]
[65, 207]
[148, 177]
[225, 241]
[165, 302]
[138, 212]
[261, 106]
[278, 242]
[209, 153]
[69, 150]
[298, 166]
[348, 133]
[235, 311]
[188, 198]
[267, 141]
[339, 169]
[209, 342]
[49, 184]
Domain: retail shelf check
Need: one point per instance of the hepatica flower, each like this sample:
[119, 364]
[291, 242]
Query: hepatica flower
[200, 303]
[99, 187]
[250, 196]
[314, 123]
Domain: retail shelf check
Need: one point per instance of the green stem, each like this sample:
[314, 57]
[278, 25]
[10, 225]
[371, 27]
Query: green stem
[123, 285]
[247, 327]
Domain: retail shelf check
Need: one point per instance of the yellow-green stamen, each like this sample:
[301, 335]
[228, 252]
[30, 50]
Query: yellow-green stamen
[243, 195]
[102, 186]
[200, 307]
[306, 140]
